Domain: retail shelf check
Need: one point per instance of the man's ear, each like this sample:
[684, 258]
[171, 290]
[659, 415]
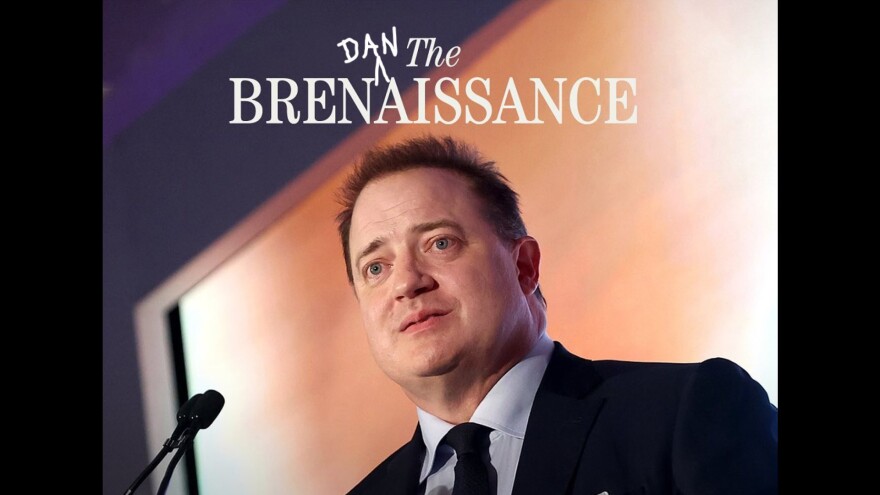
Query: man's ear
[527, 255]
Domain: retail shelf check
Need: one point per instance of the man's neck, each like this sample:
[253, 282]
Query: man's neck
[455, 401]
[454, 396]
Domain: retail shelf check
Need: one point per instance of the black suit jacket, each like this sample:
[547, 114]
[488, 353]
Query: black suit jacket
[630, 428]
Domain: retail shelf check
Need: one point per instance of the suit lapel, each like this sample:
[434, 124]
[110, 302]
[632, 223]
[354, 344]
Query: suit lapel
[402, 473]
[560, 421]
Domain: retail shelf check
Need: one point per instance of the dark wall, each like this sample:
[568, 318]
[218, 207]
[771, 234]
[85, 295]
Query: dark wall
[179, 176]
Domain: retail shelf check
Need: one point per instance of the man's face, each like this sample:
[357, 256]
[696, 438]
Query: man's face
[438, 290]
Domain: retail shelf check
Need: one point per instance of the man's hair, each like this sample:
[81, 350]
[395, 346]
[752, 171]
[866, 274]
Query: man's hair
[500, 202]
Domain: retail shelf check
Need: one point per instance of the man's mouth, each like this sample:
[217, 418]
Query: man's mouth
[421, 320]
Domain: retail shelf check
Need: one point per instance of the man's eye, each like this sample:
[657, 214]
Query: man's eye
[374, 269]
[441, 244]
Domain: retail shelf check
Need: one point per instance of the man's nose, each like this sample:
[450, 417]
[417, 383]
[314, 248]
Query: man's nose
[411, 279]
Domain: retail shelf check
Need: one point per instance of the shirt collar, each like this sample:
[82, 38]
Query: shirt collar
[505, 408]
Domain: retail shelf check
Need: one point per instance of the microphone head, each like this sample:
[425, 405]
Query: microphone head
[184, 412]
[206, 409]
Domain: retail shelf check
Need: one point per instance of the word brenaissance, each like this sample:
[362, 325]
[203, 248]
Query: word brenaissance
[585, 100]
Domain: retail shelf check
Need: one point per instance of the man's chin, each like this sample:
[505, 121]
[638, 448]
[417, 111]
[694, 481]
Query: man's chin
[438, 370]
[426, 372]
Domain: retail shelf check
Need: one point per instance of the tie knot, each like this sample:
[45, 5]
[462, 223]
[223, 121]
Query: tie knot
[467, 438]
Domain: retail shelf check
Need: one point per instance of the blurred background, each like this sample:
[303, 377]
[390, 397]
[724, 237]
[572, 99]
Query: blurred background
[659, 239]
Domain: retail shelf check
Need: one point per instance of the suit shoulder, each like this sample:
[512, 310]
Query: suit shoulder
[706, 381]
[725, 384]
[718, 370]
[722, 370]
[726, 432]
[637, 375]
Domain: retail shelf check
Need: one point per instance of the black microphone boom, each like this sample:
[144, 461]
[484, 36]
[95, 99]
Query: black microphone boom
[195, 414]
[183, 419]
[201, 415]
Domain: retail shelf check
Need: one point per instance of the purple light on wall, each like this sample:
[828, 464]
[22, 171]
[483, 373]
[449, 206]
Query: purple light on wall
[149, 49]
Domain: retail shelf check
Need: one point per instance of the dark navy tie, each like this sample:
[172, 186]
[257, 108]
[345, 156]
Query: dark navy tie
[470, 441]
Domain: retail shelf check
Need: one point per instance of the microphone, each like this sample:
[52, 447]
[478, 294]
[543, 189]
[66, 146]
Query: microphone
[200, 415]
[183, 420]
[206, 409]
[183, 412]
[197, 413]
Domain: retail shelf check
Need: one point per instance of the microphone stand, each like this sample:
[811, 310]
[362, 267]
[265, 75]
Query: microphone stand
[183, 446]
[167, 447]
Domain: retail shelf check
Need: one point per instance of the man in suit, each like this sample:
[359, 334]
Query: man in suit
[446, 278]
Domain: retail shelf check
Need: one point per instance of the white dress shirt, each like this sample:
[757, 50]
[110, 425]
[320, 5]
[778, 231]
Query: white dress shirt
[506, 410]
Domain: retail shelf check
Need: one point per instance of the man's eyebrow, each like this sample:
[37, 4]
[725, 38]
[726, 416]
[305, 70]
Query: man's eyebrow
[373, 246]
[437, 224]
[420, 228]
